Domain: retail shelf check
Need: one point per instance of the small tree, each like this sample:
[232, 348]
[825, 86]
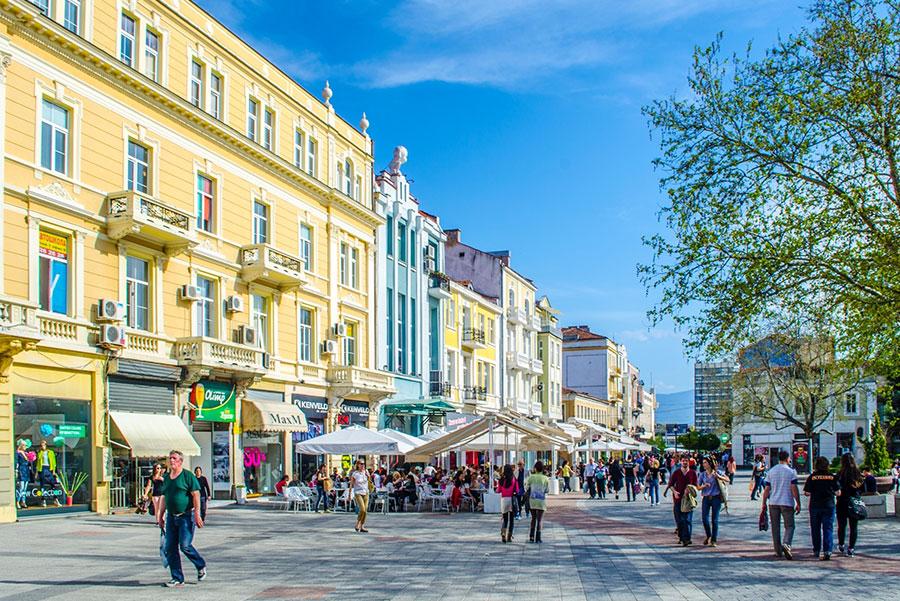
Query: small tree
[658, 442]
[877, 458]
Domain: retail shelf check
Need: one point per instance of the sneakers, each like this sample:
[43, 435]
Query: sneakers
[849, 552]
[175, 584]
[841, 549]
[826, 557]
[786, 549]
[713, 543]
[706, 541]
[201, 574]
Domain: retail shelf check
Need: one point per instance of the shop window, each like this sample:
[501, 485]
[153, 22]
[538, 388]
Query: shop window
[137, 293]
[56, 437]
[53, 276]
[263, 463]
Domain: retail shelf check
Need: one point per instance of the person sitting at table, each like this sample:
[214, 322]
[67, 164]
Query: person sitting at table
[279, 486]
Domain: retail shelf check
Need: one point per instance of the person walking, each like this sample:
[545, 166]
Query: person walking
[851, 482]
[205, 492]
[537, 486]
[679, 481]
[521, 504]
[323, 488]
[616, 474]
[153, 489]
[652, 480]
[629, 469]
[566, 473]
[359, 479]
[782, 497]
[821, 488]
[711, 481]
[601, 476]
[730, 469]
[758, 476]
[508, 487]
[590, 471]
[178, 515]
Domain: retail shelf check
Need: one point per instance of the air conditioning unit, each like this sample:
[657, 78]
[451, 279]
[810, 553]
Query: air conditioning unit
[110, 310]
[247, 335]
[339, 330]
[329, 347]
[266, 361]
[234, 304]
[112, 337]
[189, 293]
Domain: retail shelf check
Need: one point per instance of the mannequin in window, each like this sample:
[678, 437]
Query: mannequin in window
[23, 474]
[45, 466]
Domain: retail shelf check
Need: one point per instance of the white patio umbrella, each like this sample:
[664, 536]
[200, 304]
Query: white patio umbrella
[406, 442]
[354, 440]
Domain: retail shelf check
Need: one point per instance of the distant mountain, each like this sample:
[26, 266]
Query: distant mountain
[675, 408]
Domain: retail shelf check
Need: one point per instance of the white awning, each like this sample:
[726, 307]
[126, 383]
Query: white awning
[152, 435]
[272, 416]
[354, 440]
[405, 442]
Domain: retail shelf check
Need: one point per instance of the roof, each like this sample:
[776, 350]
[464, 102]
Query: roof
[567, 391]
[580, 333]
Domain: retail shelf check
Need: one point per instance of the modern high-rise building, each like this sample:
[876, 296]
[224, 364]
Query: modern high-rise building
[712, 393]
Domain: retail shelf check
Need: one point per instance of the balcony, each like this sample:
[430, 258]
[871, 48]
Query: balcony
[549, 328]
[474, 393]
[533, 323]
[131, 213]
[206, 354]
[349, 379]
[437, 386]
[262, 262]
[537, 366]
[473, 338]
[19, 329]
[518, 361]
[516, 315]
[439, 285]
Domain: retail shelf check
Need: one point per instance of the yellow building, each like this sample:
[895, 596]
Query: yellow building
[602, 412]
[187, 253]
[471, 331]
[549, 341]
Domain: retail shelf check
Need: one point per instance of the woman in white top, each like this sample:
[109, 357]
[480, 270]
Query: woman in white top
[359, 480]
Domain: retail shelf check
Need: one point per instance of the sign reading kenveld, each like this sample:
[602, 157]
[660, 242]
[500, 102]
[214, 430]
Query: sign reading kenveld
[213, 401]
[352, 412]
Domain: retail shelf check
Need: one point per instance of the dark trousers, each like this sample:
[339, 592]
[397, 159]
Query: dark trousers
[179, 539]
[567, 486]
[821, 526]
[629, 489]
[508, 522]
[684, 520]
[592, 486]
[711, 507]
[203, 508]
[601, 488]
[843, 517]
[757, 486]
[535, 532]
[321, 497]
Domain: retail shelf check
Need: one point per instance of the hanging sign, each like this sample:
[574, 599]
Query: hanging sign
[213, 401]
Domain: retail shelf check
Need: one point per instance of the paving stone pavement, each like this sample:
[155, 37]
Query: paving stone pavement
[592, 550]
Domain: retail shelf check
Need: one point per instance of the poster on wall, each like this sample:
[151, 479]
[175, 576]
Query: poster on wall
[221, 465]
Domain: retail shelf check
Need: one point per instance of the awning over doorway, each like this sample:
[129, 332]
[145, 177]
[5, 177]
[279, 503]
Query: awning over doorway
[271, 416]
[154, 435]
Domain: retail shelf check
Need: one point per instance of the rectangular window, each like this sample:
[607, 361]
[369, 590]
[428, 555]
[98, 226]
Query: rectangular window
[206, 308]
[53, 277]
[357, 190]
[151, 55]
[260, 223]
[312, 148]
[268, 125]
[348, 178]
[205, 203]
[389, 235]
[401, 241]
[450, 318]
[215, 95]
[349, 342]
[137, 293]
[138, 168]
[299, 149]
[306, 334]
[126, 40]
[850, 405]
[389, 328]
[252, 118]
[43, 6]
[306, 246]
[354, 268]
[344, 260]
[412, 248]
[259, 319]
[413, 336]
[401, 333]
[72, 15]
[54, 137]
[197, 84]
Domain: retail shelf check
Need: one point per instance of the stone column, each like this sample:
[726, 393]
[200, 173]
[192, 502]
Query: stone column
[5, 62]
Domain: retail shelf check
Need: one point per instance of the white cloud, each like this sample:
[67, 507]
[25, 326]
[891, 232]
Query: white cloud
[647, 335]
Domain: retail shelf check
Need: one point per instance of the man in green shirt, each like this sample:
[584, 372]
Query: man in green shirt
[182, 503]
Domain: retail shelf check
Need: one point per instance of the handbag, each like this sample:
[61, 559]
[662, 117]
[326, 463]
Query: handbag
[764, 520]
[857, 508]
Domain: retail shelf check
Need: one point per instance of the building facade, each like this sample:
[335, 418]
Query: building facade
[581, 405]
[411, 293]
[470, 379]
[550, 354]
[591, 364]
[712, 392]
[183, 224]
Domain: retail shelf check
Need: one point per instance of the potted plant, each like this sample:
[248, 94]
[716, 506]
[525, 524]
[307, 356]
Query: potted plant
[70, 487]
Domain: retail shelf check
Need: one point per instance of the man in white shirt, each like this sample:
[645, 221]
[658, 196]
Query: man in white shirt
[783, 499]
[590, 471]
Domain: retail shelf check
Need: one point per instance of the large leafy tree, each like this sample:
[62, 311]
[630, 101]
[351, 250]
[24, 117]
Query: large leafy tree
[783, 188]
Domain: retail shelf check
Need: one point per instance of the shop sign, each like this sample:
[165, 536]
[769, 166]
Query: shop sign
[213, 401]
[53, 245]
[458, 420]
[352, 412]
[72, 430]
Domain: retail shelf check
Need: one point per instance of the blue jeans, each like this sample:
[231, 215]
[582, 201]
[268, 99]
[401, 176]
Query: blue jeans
[757, 486]
[179, 539]
[685, 521]
[821, 525]
[711, 504]
[653, 490]
[21, 491]
[320, 495]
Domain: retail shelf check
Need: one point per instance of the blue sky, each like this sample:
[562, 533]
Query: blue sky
[522, 120]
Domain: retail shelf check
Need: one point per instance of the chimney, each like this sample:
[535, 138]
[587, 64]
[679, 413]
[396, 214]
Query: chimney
[453, 236]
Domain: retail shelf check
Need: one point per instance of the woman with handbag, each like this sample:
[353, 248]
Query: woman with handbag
[848, 511]
[508, 487]
[537, 486]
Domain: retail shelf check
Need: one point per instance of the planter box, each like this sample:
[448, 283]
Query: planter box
[884, 484]
[876, 505]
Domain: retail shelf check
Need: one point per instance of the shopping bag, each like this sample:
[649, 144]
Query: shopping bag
[764, 520]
